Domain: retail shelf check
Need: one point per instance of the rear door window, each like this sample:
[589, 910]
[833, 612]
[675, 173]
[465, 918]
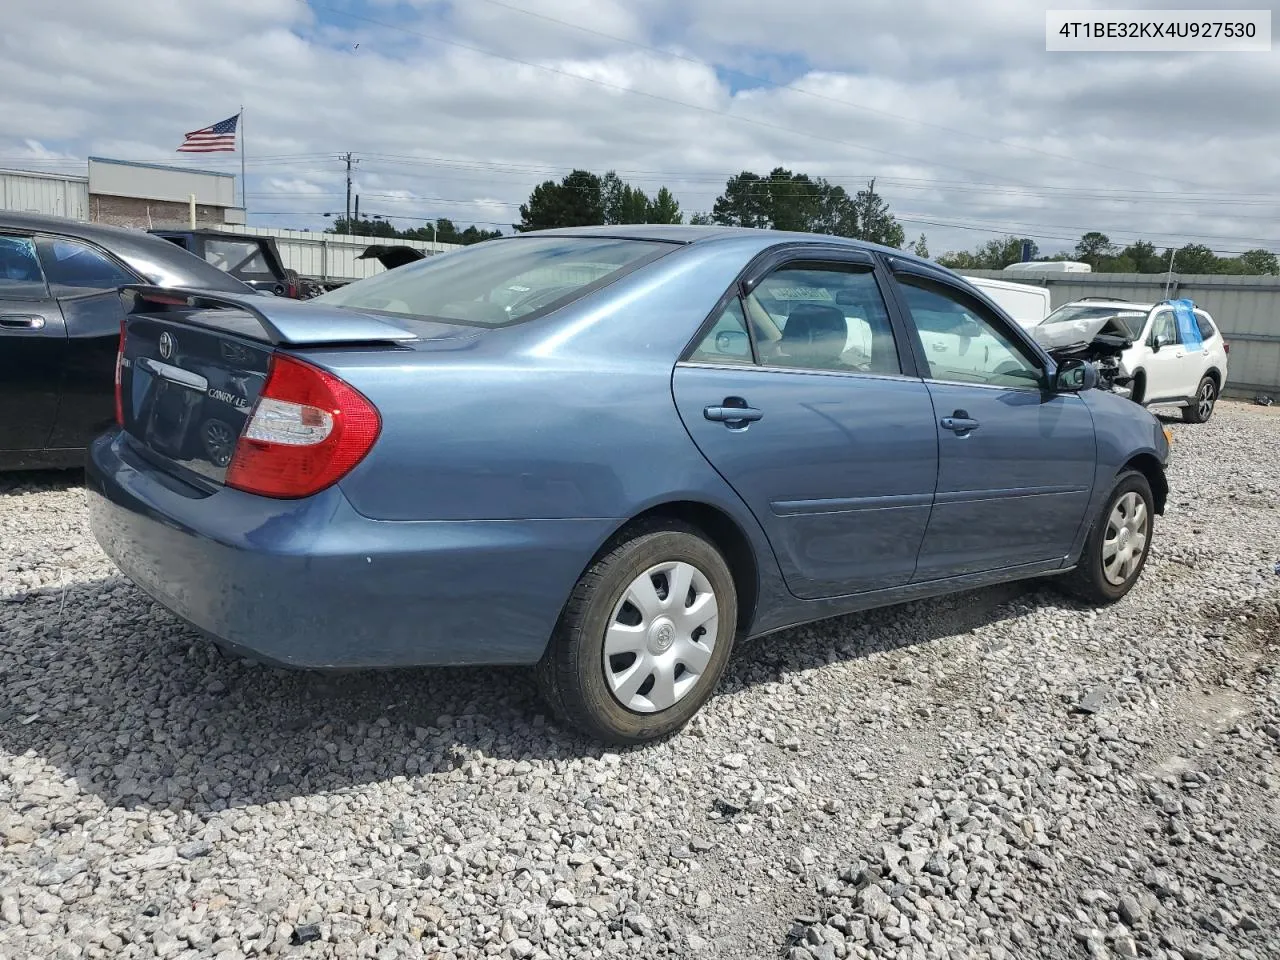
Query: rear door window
[73, 265]
[825, 316]
[20, 275]
[1207, 330]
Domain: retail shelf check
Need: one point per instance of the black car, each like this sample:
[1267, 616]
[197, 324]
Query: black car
[250, 259]
[60, 315]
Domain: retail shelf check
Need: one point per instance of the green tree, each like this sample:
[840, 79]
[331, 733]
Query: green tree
[623, 203]
[995, 254]
[1193, 258]
[875, 223]
[784, 200]
[1259, 262]
[920, 248]
[746, 202]
[576, 201]
[702, 219]
[664, 208]
[1093, 246]
[1144, 256]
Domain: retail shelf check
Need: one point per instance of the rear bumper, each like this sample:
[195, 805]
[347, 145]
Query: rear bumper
[312, 583]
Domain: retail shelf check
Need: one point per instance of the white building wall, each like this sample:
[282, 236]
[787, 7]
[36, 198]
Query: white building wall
[155, 182]
[54, 195]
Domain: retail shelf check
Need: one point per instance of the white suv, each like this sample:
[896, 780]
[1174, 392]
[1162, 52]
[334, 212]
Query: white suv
[1151, 364]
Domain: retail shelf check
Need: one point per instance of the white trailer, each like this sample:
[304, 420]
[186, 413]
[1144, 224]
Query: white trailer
[1049, 266]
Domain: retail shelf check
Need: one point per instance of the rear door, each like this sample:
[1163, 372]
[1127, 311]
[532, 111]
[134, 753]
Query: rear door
[1015, 463]
[32, 348]
[85, 281]
[798, 393]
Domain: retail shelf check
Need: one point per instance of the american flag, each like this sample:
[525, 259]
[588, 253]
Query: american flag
[219, 138]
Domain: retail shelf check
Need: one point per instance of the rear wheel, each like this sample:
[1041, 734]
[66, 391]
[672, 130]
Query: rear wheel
[644, 637]
[1118, 544]
[1200, 409]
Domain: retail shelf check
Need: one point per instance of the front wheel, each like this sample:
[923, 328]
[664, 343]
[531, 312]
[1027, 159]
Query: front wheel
[1201, 408]
[1118, 543]
[644, 638]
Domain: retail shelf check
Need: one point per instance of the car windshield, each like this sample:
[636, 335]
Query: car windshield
[499, 282]
[1129, 321]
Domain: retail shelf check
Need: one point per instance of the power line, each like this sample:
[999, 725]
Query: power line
[631, 90]
[820, 96]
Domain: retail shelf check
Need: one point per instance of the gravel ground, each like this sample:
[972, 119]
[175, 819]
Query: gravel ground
[998, 774]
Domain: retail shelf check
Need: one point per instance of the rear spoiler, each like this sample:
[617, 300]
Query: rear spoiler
[279, 321]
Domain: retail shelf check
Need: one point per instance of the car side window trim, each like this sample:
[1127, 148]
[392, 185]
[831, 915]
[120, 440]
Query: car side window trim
[797, 371]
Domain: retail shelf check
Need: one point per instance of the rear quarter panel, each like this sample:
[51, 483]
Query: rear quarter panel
[566, 417]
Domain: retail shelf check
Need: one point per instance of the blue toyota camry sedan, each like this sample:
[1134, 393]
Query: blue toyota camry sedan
[607, 452]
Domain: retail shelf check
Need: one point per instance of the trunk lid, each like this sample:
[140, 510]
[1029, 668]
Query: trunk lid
[187, 391]
[194, 365]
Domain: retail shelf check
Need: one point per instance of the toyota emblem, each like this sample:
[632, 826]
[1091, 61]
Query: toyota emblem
[166, 346]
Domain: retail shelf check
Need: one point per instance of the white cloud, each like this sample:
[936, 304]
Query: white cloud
[958, 93]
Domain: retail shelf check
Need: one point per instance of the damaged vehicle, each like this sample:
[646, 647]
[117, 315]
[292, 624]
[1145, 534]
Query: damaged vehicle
[1142, 351]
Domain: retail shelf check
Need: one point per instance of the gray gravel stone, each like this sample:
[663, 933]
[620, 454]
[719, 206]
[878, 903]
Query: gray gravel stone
[912, 765]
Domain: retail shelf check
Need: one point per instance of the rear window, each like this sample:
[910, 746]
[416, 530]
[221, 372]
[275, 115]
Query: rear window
[1207, 331]
[499, 282]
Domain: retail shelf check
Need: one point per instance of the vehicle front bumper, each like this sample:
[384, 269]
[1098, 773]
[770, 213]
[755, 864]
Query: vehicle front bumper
[312, 583]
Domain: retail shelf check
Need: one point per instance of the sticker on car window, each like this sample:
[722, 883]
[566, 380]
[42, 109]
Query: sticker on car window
[1188, 329]
[801, 293]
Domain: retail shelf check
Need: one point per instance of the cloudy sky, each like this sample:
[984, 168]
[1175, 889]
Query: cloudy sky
[458, 107]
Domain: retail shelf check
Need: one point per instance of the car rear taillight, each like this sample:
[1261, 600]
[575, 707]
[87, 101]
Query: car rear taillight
[119, 366]
[307, 431]
[1226, 347]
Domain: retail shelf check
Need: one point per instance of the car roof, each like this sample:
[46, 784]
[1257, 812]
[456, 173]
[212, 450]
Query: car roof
[1108, 303]
[71, 228]
[689, 233]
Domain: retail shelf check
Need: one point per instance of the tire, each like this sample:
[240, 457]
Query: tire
[1091, 580]
[1138, 392]
[1201, 407]
[577, 680]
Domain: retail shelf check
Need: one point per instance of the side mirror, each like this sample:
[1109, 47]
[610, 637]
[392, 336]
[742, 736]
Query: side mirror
[1074, 376]
[969, 329]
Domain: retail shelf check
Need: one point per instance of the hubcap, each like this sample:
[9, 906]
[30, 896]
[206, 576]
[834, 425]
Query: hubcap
[1206, 401]
[661, 637]
[1126, 539]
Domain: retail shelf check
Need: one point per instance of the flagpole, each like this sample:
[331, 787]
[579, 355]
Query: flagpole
[244, 188]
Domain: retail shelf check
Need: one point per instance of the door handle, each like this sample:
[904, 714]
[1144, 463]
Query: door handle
[959, 423]
[732, 414]
[17, 321]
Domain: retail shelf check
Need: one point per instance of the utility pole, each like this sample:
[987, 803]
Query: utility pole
[1168, 277]
[349, 161]
[353, 229]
